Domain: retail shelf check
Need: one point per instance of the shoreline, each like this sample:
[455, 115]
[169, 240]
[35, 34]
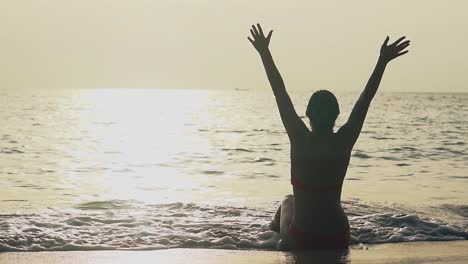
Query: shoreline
[409, 252]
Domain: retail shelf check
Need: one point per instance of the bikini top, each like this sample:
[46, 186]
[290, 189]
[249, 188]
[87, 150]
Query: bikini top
[296, 183]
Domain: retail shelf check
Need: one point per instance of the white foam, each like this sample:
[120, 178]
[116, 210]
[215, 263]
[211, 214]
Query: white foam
[126, 225]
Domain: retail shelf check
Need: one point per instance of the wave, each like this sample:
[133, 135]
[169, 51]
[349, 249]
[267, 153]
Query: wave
[237, 149]
[103, 205]
[360, 155]
[11, 151]
[213, 172]
[115, 224]
[259, 160]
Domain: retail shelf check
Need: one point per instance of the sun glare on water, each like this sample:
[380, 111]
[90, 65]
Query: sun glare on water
[137, 141]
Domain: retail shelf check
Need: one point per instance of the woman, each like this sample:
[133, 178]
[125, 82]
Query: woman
[313, 218]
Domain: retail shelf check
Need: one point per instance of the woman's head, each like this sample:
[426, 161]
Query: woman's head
[322, 111]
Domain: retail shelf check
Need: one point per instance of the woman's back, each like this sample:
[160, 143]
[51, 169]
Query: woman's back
[318, 168]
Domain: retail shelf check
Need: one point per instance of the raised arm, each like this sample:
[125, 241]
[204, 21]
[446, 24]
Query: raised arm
[291, 121]
[353, 126]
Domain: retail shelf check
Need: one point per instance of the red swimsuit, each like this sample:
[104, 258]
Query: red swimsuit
[309, 241]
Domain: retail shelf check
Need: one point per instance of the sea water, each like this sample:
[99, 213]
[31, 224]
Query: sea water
[162, 168]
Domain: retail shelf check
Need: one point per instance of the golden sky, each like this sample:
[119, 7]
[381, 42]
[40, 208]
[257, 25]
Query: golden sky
[202, 43]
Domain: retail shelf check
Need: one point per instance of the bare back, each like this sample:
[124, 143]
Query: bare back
[320, 161]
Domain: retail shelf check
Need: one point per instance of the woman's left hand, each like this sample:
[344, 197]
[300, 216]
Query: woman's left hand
[394, 50]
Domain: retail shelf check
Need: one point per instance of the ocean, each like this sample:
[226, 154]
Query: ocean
[141, 169]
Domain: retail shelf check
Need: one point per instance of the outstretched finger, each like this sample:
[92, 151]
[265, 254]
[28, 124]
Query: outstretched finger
[251, 40]
[260, 30]
[403, 45]
[253, 34]
[398, 41]
[269, 35]
[255, 30]
[402, 53]
[386, 41]
[406, 42]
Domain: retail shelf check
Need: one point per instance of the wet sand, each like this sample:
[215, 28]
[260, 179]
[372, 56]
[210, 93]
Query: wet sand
[455, 252]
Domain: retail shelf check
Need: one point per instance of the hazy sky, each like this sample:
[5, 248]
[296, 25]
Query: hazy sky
[202, 43]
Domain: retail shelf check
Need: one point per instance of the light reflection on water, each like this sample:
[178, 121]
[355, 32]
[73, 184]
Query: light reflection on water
[139, 135]
[151, 169]
[159, 146]
[99, 144]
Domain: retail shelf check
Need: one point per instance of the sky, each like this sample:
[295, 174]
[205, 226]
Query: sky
[202, 44]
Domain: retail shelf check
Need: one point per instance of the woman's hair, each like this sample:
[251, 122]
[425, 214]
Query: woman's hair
[322, 110]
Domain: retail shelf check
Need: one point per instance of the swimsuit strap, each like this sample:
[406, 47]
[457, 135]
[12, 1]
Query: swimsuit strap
[296, 183]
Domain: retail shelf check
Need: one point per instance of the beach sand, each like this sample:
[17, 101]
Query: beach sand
[415, 252]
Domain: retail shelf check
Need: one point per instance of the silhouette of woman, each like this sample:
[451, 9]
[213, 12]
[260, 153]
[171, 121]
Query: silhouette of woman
[313, 218]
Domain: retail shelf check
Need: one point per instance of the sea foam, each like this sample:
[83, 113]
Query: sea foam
[108, 225]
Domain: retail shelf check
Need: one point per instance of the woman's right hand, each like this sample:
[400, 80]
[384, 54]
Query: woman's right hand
[259, 41]
[394, 50]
